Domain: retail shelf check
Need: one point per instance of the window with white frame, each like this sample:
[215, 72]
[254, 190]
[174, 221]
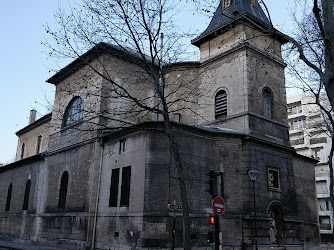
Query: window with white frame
[325, 222]
[295, 109]
[298, 124]
[176, 117]
[122, 146]
[321, 187]
[317, 153]
[323, 205]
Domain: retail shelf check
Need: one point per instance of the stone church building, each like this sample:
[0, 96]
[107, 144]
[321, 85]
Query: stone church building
[90, 176]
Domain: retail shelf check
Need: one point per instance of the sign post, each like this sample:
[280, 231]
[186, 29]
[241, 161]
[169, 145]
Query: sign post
[218, 206]
[174, 208]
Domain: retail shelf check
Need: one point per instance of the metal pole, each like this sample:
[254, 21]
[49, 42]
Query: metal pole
[173, 242]
[255, 227]
[216, 232]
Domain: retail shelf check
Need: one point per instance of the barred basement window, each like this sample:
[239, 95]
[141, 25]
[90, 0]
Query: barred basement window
[9, 197]
[221, 104]
[74, 112]
[26, 195]
[63, 190]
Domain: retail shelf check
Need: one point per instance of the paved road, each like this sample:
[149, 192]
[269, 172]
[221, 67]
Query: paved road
[4, 245]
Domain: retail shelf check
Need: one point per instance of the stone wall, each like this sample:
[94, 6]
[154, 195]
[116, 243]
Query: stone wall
[17, 223]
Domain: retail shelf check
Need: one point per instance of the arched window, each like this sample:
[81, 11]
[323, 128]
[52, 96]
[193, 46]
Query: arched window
[74, 111]
[221, 104]
[267, 98]
[26, 196]
[9, 197]
[22, 150]
[63, 190]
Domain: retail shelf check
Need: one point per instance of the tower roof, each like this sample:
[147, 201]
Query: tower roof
[237, 9]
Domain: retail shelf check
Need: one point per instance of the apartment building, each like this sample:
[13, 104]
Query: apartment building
[309, 136]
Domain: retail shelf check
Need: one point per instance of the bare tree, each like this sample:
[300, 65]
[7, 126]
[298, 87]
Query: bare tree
[144, 31]
[310, 61]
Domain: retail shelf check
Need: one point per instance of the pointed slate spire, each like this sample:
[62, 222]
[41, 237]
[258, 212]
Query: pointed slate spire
[229, 11]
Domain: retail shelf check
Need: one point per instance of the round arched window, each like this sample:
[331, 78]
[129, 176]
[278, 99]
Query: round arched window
[267, 97]
[74, 112]
[221, 104]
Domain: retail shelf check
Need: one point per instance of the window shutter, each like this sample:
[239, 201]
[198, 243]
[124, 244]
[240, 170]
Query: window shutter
[221, 104]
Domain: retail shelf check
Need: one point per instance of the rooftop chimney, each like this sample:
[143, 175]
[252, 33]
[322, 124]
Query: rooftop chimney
[32, 117]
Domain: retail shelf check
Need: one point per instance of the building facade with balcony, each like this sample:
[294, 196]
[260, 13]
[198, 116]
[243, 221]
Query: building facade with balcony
[308, 135]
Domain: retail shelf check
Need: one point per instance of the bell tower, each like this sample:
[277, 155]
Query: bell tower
[243, 71]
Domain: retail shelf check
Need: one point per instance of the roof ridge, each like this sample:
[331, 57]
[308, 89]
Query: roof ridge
[236, 9]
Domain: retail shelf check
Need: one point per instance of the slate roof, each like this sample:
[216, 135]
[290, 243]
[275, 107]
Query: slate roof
[237, 10]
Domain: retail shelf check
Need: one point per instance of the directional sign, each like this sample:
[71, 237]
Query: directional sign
[175, 208]
[218, 205]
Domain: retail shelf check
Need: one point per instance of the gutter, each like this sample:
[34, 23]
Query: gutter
[97, 194]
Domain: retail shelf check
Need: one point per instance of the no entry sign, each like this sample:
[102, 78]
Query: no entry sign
[218, 205]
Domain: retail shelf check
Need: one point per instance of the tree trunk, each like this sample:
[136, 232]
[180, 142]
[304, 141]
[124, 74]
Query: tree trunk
[183, 192]
[328, 27]
[174, 149]
[331, 183]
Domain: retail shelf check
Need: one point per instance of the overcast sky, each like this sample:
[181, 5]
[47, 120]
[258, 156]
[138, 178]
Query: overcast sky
[25, 68]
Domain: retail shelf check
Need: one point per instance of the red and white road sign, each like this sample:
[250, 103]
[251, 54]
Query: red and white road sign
[218, 205]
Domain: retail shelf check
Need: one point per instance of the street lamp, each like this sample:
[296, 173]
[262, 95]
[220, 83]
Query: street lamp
[253, 173]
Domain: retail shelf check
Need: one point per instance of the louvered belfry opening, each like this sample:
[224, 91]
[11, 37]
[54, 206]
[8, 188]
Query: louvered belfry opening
[221, 104]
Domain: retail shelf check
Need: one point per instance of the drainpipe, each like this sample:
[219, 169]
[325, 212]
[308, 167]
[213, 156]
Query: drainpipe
[97, 194]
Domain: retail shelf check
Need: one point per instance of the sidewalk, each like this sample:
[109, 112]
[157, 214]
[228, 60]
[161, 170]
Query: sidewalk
[5, 245]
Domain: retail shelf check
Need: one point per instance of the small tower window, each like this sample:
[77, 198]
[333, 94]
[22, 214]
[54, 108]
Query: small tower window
[9, 197]
[26, 195]
[63, 190]
[267, 98]
[227, 3]
[221, 104]
[39, 142]
[122, 146]
[22, 150]
[74, 112]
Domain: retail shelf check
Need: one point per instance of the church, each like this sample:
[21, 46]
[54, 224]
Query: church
[97, 171]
